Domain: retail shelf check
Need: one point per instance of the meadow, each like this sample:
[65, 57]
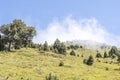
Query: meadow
[32, 64]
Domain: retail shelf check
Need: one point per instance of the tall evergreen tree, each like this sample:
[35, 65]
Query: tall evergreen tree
[46, 47]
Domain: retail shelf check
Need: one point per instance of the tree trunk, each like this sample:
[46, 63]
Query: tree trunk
[9, 46]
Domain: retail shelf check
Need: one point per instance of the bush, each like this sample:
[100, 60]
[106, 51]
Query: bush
[82, 55]
[98, 55]
[46, 46]
[51, 77]
[106, 68]
[98, 60]
[72, 53]
[59, 47]
[118, 59]
[90, 60]
[81, 46]
[105, 55]
[61, 63]
[85, 61]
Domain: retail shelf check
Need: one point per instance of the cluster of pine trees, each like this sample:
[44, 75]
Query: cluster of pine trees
[57, 47]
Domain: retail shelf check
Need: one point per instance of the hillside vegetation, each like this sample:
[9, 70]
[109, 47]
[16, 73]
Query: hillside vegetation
[21, 59]
[31, 64]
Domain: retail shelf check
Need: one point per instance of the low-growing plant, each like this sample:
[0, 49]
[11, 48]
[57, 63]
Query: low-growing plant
[106, 68]
[98, 55]
[89, 61]
[61, 63]
[85, 61]
[51, 77]
[72, 53]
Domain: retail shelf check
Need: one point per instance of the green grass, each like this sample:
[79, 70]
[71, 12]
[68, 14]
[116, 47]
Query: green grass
[30, 64]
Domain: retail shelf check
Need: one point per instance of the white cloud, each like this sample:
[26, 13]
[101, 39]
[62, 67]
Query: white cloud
[71, 29]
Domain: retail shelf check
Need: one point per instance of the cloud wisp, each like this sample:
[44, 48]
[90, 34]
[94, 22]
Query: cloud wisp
[71, 29]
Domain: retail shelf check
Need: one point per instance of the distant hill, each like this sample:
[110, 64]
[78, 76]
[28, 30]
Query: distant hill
[89, 44]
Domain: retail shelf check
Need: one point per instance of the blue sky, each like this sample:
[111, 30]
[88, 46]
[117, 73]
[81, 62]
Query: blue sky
[42, 13]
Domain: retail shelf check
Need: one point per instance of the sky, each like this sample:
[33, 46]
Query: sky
[96, 20]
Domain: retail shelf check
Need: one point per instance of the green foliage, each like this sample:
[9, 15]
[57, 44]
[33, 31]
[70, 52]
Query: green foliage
[72, 53]
[105, 55]
[45, 46]
[59, 47]
[29, 64]
[1, 43]
[113, 51]
[85, 61]
[51, 77]
[118, 59]
[74, 46]
[81, 46]
[98, 55]
[17, 34]
[90, 60]
[33, 45]
[61, 63]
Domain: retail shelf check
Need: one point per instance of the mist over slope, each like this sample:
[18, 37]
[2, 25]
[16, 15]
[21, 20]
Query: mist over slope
[69, 28]
[89, 44]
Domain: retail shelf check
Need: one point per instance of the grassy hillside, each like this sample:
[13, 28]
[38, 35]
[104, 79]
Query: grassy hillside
[30, 64]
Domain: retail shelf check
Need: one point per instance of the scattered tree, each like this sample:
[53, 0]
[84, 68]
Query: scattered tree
[105, 55]
[85, 61]
[59, 47]
[72, 53]
[98, 55]
[45, 46]
[90, 60]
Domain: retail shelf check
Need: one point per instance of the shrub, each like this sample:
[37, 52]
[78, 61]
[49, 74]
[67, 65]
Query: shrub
[98, 55]
[72, 53]
[105, 55]
[106, 68]
[46, 46]
[82, 55]
[85, 61]
[98, 60]
[90, 60]
[51, 77]
[61, 63]
[118, 59]
[81, 46]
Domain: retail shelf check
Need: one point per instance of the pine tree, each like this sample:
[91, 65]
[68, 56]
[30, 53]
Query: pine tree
[98, 55]
[90, 60]
[46, 47]
[72, 53]
[59, 47]
[105, 55]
